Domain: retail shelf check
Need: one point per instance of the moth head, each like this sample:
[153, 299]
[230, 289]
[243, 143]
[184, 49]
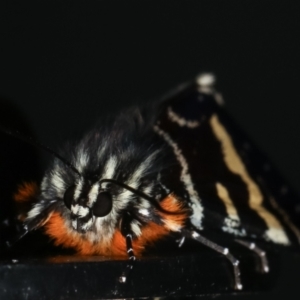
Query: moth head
[93, 200]
[86, 202]
[93, 181]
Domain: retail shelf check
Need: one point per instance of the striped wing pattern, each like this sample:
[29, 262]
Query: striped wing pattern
[230, 184]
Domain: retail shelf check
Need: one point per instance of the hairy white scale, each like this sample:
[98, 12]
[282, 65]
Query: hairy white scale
[168, 191]
[144, 212]
[74, 224]
[36, 210]
[148, 189]
[102, 150]
[79, 210]
[92, 196]
[44, 184]
[78, 189]
[99, 235]
[82, 160]
[144, 204]
[171, 225]
[185, 177]
[109, 170]
[98, 224]
[135, 227]
[58, 183]
[88, 224]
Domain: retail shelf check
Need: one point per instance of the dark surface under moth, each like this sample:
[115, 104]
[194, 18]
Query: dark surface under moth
[95, 278]
[196, 274]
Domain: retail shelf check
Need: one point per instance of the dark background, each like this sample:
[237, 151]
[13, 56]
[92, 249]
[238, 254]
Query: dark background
[64, 64]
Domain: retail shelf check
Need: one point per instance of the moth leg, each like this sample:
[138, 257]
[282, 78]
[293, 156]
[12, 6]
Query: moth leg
[10, 243]
[33, 224]
[225, 251]
[132, 258]
[127, 233]
[181, 241]
[261, 254]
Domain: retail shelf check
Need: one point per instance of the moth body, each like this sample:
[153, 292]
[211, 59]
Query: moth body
[180, 165]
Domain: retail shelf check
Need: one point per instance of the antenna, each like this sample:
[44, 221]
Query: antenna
[31, 141]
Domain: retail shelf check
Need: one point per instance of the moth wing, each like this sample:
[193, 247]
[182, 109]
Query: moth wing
[231, 185]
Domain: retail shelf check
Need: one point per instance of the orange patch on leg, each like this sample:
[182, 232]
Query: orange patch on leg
[178, 212]
[27, 192]
[57, 229]
[24, 198]
[69, 238]
[66, 237]
[152, 232]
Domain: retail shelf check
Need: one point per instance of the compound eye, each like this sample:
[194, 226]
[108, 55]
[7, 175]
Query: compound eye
[69, 196]
[103, 204]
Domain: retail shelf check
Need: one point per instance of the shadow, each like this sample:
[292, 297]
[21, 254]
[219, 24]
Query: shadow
[18, 163]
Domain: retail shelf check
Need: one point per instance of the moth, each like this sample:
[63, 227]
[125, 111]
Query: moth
[178, 166]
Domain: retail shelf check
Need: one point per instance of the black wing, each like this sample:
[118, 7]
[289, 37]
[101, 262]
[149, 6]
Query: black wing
[231, 186]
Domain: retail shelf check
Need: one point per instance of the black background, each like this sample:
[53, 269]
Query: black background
[63, 64]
